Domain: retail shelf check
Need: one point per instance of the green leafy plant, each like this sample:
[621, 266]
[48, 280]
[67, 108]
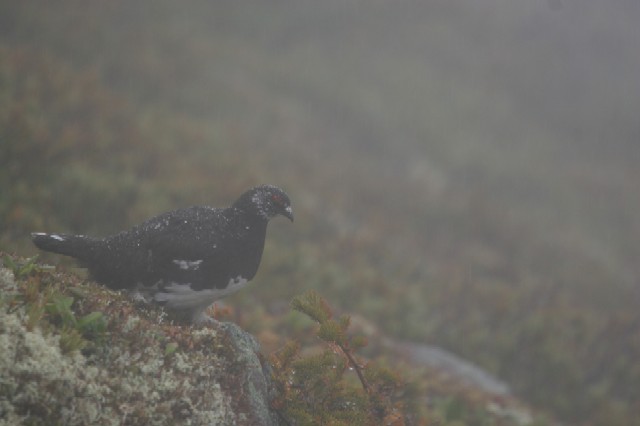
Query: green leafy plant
[21, 269]
[76, 332]
[48, 306]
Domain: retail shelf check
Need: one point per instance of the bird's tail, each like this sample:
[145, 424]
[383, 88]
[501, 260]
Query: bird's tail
[77, 246]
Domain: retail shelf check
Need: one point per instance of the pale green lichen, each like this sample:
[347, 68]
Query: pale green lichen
[35, 373]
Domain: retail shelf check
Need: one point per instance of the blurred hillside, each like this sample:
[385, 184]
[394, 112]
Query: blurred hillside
[463, 173]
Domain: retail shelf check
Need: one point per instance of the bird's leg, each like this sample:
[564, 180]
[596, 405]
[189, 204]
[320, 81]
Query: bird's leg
[201, 318]
[138, 297]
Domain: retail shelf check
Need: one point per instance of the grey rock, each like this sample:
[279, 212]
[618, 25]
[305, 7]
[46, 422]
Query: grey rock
[257, 387]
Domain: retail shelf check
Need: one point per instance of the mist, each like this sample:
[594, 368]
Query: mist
[464, 174]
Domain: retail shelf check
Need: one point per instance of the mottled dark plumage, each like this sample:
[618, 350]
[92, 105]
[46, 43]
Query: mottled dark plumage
[184, 259]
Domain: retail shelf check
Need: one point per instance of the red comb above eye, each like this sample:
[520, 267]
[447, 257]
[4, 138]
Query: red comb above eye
[277, 198]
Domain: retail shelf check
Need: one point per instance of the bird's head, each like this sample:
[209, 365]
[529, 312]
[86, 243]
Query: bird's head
[267, 200]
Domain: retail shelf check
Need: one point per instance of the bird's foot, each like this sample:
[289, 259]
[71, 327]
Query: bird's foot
[201, 319]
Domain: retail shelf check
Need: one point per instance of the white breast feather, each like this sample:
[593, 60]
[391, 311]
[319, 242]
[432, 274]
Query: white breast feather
[182, 297]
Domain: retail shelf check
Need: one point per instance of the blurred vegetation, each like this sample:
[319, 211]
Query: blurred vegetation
[483, 202]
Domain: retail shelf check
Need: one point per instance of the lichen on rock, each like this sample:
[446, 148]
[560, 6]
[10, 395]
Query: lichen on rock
[142, 369]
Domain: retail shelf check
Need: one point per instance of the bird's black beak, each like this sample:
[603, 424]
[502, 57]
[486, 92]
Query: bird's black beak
[288, 213]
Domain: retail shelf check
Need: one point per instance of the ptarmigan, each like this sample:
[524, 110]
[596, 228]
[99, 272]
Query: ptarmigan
[183, 259]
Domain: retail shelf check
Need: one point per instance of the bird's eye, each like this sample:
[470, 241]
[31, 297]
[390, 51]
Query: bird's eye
[276, 198]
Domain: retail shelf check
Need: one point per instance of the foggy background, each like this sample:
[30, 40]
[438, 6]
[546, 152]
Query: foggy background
[463, 173]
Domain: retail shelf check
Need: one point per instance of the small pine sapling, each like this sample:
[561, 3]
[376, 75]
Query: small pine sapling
[315, 389]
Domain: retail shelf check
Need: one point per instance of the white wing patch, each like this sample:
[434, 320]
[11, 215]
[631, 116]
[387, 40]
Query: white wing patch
[56, 237]
[188, 265]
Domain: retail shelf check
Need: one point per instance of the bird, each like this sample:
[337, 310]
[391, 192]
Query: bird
[185, 259]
